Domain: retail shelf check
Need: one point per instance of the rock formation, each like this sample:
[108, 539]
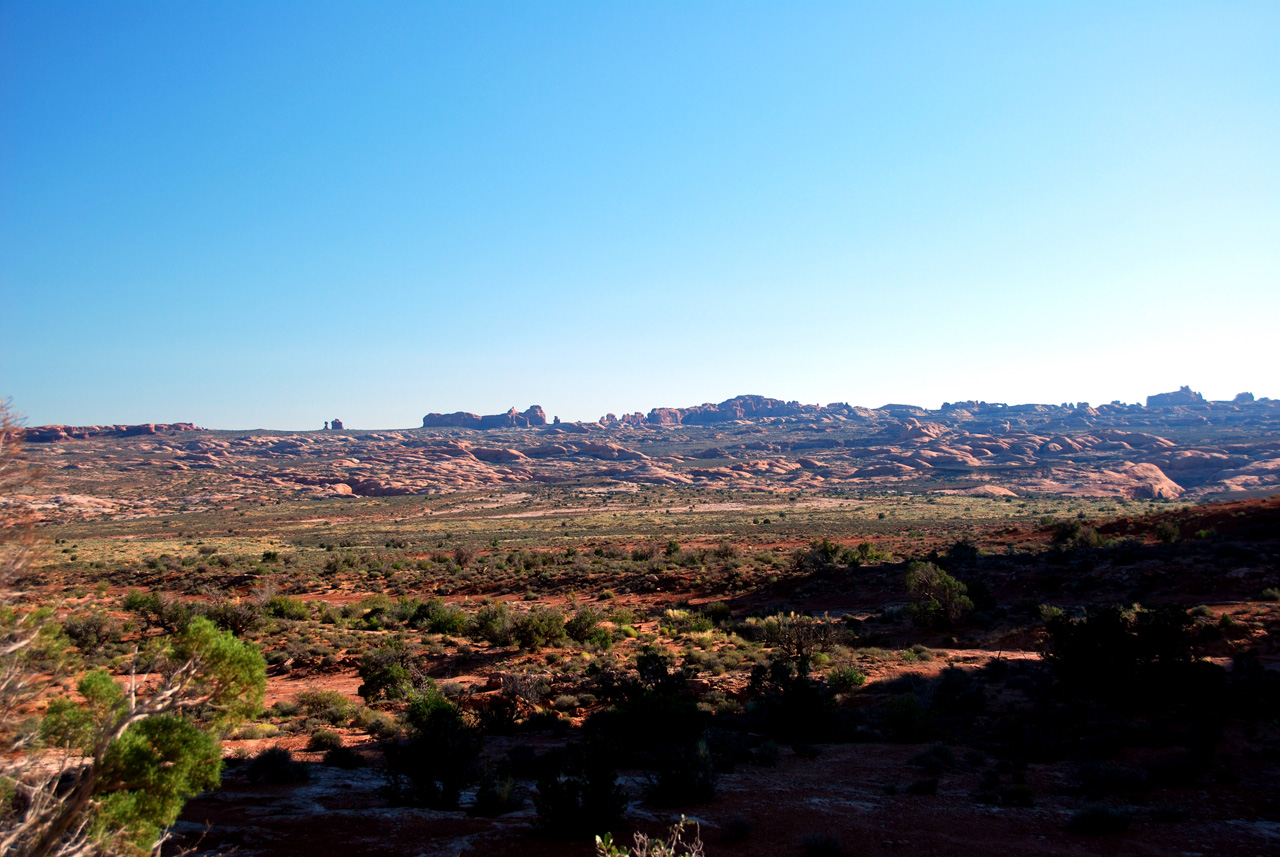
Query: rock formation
[534, 416]
[55, 433]
[1189, 452]
[1183, 396]
[730, 410]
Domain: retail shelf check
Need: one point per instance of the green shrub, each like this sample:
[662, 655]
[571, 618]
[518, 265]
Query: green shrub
[287, 607]
[938, 600]
[327, 705]
[386, 673]
[1074, 534]
[440, 618]
[963, 552]
[92, 631]
[493, 623]
[583, 624]
[158, 610]
[324, 739]
[378, 724]
[541, 626]
[601, 638]
[845, 679]
[866, 552]
[440, 755]
[565, 702]
[674, 845]
[238, 617]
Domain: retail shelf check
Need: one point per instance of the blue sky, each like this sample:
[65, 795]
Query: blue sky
[267, 215]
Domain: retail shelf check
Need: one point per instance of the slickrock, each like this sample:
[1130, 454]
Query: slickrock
[1203, 450]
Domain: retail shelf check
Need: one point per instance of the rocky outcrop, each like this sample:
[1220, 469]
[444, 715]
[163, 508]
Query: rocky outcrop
[55, 433]
[1150, 483]
[609, 452]
[457, 419]
[737, 408]
[534, 416]
[1183, 396]
[492, 454]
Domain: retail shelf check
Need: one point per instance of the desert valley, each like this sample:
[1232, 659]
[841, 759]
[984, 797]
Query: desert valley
[809, 629]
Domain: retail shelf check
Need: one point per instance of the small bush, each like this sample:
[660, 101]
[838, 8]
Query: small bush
[344, 757]
[324, 739]
[493, 624]
[275, 765]
[766, 755]
[386, 673]
[438, 758]
[440, 618]
[287, 607]
[327, 705]
[1099, 820]
[541, 626]
[578, 794]
[158, 610]
[565, 702]
[496, 797]
[583, 624]
[822, 845]
[935, 760]
[682, 776]
[938, 600]
[92, 631]
[905, 719]
[845, 679]
[1167, 532]
[378, 724]
[238, 617]
[674, 845]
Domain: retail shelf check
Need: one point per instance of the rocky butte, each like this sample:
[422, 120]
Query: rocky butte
[54, 433]
[1184, 395]
[534, 416]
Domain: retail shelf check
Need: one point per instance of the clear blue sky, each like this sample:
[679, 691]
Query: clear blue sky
[270, 214]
